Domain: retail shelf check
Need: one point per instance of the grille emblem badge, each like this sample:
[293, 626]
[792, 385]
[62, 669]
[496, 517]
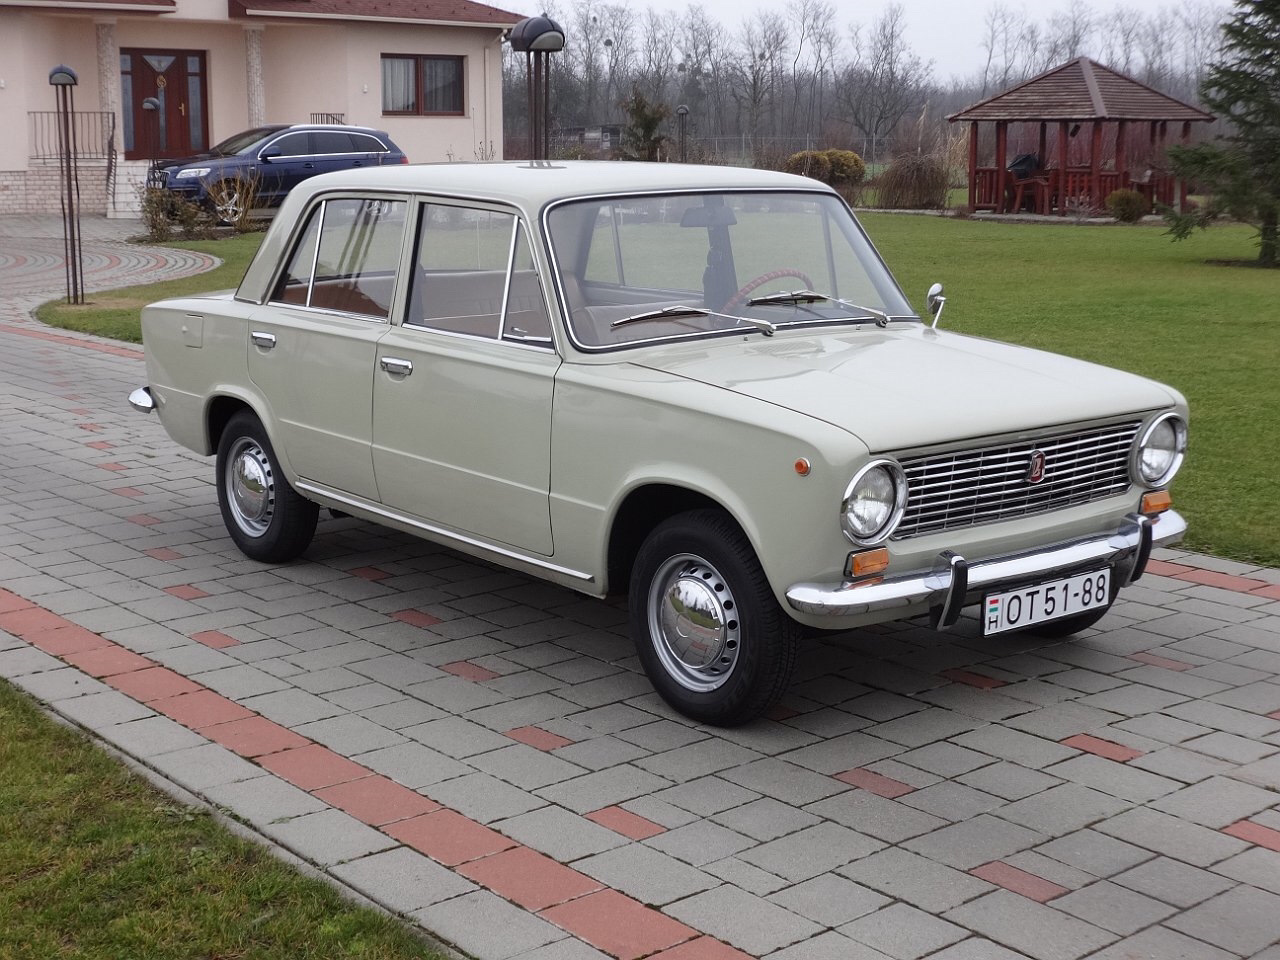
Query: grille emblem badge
[1035, 469]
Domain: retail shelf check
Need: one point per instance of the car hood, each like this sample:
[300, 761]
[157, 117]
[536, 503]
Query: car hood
[909, 386]
[206, 158]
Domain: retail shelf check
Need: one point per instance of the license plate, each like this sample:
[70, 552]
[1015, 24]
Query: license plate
[1046, 601]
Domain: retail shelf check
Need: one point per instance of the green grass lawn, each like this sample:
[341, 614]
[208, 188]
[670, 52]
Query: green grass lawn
[1123, 296]
[95, 862]
[115, 313]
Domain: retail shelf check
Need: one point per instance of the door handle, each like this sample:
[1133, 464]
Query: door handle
[264, 340]
[356, 163]
[396, 366]
[308, 166]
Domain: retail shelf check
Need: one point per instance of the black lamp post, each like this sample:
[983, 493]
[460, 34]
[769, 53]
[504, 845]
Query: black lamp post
[537, 38]
[682, 114]
[63, 80]
[152, 105]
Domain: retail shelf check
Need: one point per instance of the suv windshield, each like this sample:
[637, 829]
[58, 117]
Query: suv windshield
[243, 141]
[689, 265]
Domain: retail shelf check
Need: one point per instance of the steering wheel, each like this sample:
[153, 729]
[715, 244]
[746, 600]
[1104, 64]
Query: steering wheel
[741, 296]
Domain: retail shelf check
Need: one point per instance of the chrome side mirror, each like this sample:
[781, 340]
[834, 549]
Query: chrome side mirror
[935, 301]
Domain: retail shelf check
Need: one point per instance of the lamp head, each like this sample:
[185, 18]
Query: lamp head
[63, 76]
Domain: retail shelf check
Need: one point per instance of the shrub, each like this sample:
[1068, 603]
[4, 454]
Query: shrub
[847, 168]
[809, 163]
[914, 182]
[1127, 206]
[162, 211]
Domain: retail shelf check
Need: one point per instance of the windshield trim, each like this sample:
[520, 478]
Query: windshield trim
[817, 189]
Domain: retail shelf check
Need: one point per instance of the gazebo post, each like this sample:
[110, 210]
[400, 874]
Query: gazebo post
[1182, 185]
[1062, 167]
[1002, 147]
[1095, 166]
[1122, 158]
[1044, 143]
[973, 164]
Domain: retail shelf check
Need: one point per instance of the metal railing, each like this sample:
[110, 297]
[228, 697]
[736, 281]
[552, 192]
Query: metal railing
[328, 118]
[93, 133]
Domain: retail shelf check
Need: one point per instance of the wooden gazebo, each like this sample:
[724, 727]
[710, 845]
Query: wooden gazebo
[1071, 172]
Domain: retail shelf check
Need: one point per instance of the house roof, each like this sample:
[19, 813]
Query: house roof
[89, 6]
[1082, 89]
[403, 11]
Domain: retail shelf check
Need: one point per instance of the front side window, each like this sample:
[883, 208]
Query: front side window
[422, 85]
[702, 264]
[474, 275]
[293, 145]
[346, 258]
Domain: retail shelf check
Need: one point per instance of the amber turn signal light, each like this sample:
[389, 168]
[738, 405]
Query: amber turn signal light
[868, 562]
[1157, 501]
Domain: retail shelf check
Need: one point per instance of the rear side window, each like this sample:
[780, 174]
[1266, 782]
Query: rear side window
[363, 143]
[347, 257]
[330, 141]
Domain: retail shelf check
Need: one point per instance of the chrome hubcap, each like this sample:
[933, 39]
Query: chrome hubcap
[693, 623]
[251, 488]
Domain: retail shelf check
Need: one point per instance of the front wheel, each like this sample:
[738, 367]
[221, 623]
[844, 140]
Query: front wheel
[227, 201]
[706, 626]
[268, 520]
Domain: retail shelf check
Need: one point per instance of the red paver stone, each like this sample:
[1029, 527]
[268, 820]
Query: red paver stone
[528, 878]
[128, 492]
[115, 467]
[415, 618]
[313, 766]
[973, 679]
[1163, 568]
[90, 426]
[469, 671]
[626, 823]
[185, 591]
[377, 800]
[254, 736]
[214, 638]
[704, 948]
[876, 783]
[144, 520]
[1018, 881]
[1255, 833]
[1271, 591]
[448, 837]
[163, 553]
[203, 708]
[369, 573]
[108, 661]
[1158, 661]
[26, 622]
[780, 712]
[100, 445]
[1103, 748]
[1225, 581]
[537, 737]
[62, 641]
[9, 602]
[154, 683]
[618, 925]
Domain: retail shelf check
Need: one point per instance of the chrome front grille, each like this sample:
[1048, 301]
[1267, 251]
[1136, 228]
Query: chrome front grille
[967, 487]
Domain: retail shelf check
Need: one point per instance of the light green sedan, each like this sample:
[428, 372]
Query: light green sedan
[699, 386]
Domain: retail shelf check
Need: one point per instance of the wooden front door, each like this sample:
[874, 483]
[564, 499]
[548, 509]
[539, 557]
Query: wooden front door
[178, 126]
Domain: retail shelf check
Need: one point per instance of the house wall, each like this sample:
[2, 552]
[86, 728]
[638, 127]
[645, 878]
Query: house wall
[351, 82]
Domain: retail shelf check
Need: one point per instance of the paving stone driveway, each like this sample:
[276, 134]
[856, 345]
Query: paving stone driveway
[479, 752]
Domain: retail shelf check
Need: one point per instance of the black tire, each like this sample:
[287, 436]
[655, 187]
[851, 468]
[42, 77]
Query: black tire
[744, 662]
[268, 520]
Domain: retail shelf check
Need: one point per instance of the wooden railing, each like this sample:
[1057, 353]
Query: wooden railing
[1066, 195]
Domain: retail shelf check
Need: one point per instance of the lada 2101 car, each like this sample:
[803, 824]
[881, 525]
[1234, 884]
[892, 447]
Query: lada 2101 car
[698, 385]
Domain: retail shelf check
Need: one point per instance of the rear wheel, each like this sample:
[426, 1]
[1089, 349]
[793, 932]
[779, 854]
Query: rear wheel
[265, 516]
[707, 628]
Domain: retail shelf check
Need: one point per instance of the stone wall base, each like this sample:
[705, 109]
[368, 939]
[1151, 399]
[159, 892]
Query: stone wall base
[38, 189]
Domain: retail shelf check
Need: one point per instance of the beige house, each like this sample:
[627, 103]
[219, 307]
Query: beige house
[426, 71]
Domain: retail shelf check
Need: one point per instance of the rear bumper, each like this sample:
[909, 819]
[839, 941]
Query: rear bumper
[954, 582]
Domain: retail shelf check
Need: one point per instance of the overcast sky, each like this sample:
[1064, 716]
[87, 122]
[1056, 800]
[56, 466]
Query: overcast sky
[946, 32]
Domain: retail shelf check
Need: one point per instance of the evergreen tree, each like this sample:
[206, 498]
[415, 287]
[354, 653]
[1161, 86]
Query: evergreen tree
[1241, 171]
[640, 137]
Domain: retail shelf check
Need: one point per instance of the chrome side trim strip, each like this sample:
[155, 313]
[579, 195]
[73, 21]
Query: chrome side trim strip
[941, 586]
[446, 535]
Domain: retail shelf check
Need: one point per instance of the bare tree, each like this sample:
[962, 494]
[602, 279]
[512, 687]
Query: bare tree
[657, 54]
[886, 79]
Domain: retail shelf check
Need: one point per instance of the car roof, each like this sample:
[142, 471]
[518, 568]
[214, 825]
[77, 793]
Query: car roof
[532, 185]
[346, 127]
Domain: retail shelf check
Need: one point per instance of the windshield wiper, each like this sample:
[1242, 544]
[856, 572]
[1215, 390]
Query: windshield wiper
[681, 310]
[881, 318]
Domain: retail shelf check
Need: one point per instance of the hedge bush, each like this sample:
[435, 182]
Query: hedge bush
[1127, 206]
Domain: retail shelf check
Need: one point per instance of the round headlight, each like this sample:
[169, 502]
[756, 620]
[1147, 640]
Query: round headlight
[874, 502]
[1159, 450]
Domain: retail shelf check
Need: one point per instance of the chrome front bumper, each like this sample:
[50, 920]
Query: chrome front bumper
[953, 581]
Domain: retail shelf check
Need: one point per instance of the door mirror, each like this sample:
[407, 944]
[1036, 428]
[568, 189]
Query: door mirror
[269, 154]
[935, 301]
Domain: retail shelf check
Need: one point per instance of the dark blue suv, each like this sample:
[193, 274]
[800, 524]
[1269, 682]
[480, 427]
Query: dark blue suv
[274, 158]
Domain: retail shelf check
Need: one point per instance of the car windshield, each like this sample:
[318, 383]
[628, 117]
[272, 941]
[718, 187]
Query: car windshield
[639, 269]
[243, 141]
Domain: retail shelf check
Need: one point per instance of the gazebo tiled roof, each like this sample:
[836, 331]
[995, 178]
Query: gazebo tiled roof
[1082, 89]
